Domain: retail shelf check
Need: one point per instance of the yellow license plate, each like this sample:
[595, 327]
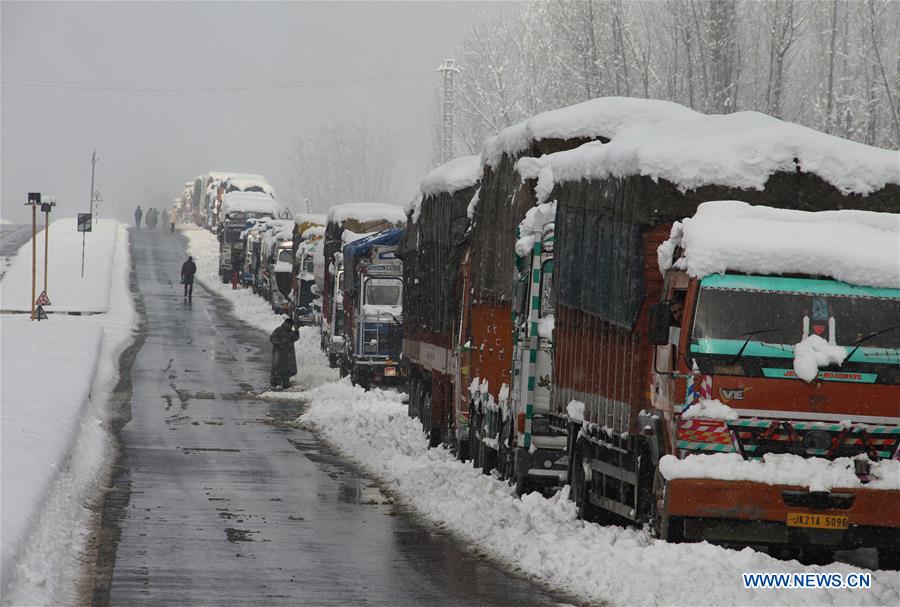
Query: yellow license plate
[817, 521]
[390, 371]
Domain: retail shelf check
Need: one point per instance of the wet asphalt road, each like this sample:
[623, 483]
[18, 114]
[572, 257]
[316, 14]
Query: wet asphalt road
[216, 501]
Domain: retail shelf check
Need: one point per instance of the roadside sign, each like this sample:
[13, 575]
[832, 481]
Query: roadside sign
[84, 222]
[34, 198]
[40, 314]
[42, 299]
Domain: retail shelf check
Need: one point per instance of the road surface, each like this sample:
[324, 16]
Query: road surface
[217, 501]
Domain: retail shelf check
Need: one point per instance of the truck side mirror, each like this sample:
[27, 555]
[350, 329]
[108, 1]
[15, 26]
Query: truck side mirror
[659, 323]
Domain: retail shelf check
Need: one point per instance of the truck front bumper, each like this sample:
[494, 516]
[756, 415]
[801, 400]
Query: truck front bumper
[757, 513]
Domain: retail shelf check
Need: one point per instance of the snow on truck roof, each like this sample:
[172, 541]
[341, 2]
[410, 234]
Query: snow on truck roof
[242, 181]
[602, 117]
[740, 150]
[366, 211]
[255, 202]
[312, 218]
[449, 178]
[857, 247]
[453, 176]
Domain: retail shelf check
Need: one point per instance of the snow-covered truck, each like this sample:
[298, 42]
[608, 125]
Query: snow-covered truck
[236, 208]
[308, 230]
[276, 265]
[373, 310]
[717, 397]
[433, 250]
[519, 443]
[344, 223]
[787, 429]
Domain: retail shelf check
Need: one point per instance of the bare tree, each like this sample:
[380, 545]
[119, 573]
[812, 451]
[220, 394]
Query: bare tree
[344, 159]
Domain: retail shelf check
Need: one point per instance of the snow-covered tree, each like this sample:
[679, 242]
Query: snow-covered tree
[828, 64]
[343, 159]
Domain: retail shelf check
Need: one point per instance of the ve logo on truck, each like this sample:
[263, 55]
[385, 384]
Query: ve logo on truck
[729, 394]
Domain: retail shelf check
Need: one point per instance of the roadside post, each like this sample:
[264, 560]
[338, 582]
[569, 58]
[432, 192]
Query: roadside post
[34, 199]
[84, 225]
[46, 207]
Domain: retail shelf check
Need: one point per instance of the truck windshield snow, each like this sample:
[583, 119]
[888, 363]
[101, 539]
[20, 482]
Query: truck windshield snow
[730, 308]
[286, 256]
[383, 292]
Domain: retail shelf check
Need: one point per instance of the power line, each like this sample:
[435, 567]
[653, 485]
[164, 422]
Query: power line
[168, 88]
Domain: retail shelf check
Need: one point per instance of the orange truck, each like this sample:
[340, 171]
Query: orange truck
[735, 378]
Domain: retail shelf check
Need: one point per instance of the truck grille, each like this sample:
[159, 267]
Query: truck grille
[755, 437]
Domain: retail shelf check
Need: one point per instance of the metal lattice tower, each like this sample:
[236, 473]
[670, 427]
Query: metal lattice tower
[448, 68]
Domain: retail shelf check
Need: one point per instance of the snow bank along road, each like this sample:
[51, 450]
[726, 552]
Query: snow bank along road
[56, 376]
[540, 537]
[218, 500]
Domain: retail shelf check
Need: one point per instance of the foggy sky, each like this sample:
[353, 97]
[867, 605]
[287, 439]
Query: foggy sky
[151, 142]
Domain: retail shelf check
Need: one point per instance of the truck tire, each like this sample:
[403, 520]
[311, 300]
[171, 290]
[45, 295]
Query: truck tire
[412, 405]
[817, 555]
[889, 558]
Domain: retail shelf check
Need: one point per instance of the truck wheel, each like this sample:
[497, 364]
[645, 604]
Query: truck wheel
[817, 555]
[523, 486]
[426, 413]
[570, 452]
[889, 558]
[462, 451]
[475, 445]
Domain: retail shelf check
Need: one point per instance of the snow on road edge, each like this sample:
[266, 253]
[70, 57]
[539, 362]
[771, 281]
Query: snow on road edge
[48, 568]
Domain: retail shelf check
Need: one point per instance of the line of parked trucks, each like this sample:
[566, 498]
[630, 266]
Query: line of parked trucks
[587, 304]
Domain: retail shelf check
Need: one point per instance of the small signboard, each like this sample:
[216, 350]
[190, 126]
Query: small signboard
[40, 314]
[34, 198]
[84, 222]
[42, 299]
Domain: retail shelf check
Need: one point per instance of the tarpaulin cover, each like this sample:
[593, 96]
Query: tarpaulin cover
[600, 226]
[359, 248]
[432, 250]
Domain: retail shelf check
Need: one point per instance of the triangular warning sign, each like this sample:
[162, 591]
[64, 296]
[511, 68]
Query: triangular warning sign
[40, 314]
[42, 299]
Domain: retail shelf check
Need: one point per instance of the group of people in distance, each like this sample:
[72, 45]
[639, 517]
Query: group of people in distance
[152, 217]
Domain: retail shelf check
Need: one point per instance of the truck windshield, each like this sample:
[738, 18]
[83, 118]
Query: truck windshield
[384, 292]
[286, 256]
[730, 307]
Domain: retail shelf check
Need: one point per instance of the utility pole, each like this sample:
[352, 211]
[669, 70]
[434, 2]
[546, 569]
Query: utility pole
[448, 68]
[46, 207]
[306, 200]
[94, 160]
[34, 199]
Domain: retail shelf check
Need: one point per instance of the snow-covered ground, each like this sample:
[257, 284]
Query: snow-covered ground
[540, 537]
[54, 437]
[68, 290]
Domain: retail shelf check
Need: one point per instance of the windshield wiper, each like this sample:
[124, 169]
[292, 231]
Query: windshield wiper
[860, 342]
[749, 336]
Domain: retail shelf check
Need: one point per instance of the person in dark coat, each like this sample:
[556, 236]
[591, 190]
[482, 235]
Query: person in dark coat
[188, 269]
[138, 213]
[284, 359]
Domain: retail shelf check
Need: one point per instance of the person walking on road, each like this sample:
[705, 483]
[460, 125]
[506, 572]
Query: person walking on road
[188, 269]
[173, 217]
[138, 213]
[284, 359]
